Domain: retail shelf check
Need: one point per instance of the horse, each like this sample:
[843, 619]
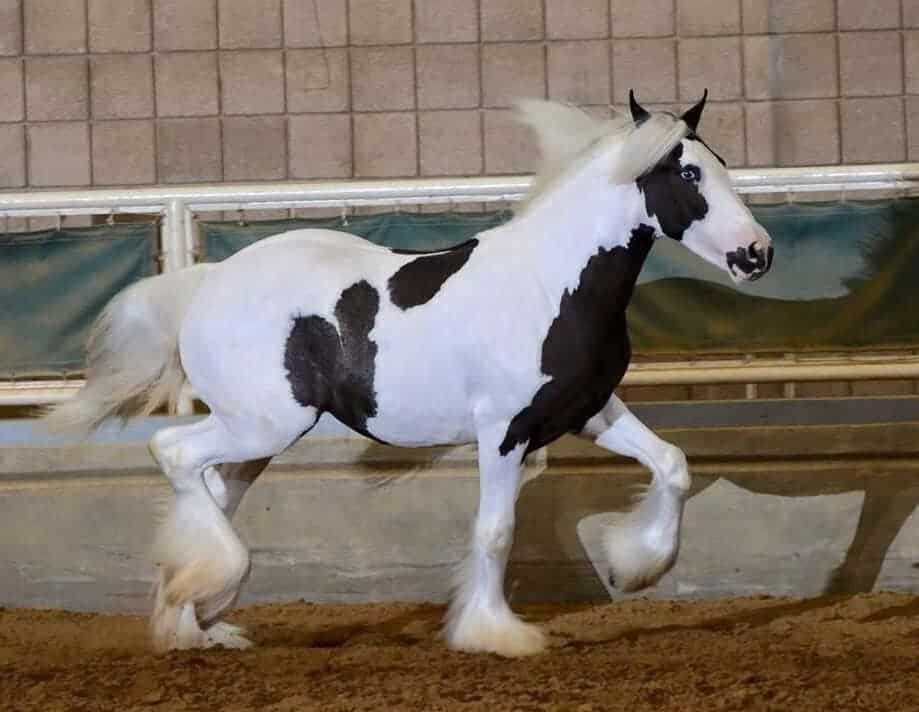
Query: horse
[509, 340]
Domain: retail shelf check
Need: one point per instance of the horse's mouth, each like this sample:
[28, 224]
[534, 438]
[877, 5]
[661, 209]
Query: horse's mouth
[748, 264]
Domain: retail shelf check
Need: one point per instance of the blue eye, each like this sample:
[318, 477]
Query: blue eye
[689, 174]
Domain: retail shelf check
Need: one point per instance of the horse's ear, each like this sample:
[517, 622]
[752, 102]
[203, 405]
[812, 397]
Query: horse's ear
[639, 114]
[692, 116]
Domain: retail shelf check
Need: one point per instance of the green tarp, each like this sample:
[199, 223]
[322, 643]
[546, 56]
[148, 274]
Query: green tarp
[842, 278]
[54, 283]
[405, 231]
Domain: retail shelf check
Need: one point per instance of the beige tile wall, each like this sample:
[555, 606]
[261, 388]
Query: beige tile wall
[135, 92]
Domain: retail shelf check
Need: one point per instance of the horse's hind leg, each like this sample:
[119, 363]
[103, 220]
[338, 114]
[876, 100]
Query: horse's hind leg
[230, 481]
[202, 560]
[227, 484]
[645, 545]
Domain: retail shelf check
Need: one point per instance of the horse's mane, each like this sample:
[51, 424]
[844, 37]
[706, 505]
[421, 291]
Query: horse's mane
[569, 136]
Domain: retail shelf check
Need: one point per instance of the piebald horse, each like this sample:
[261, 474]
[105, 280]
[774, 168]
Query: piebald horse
[509, 340]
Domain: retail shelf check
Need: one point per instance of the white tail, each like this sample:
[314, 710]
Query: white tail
[132, 360]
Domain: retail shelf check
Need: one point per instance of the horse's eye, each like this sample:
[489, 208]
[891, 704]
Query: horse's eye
[689, 174]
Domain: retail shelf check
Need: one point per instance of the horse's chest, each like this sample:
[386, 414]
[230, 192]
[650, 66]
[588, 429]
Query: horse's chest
[584, 365]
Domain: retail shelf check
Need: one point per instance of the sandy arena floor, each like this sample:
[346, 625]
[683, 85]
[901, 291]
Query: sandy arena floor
[857, 653]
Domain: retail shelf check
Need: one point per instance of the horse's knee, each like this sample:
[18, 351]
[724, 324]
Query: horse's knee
[494, 537]
[216, 486]
[674, 468]
[166, 451]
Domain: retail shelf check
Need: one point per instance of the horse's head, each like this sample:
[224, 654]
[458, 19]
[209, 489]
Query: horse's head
[688, 197]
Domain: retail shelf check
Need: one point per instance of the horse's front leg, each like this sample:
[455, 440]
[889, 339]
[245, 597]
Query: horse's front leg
[644, 546]
[480, 619]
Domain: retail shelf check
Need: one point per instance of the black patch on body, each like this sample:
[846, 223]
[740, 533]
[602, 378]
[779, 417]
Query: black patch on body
[586, 351]
[672, 194]
[332, 369]
[416, 282]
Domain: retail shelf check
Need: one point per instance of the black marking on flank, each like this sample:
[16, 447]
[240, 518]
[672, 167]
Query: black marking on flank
[586, 351]
[417, 282]
[674, 199]
[333, 369]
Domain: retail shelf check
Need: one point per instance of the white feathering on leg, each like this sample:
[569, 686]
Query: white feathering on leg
[644, 546]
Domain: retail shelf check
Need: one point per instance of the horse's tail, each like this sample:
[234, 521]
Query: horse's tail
[132, 359]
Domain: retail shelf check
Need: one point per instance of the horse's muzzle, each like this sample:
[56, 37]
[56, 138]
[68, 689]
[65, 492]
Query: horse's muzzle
[749, 263]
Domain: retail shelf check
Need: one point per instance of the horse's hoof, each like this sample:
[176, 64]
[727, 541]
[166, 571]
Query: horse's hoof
[629, 585]
[634, 562]
[227, 636]
[502, 634]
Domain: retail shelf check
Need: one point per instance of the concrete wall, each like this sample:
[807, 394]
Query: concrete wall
[780, 505]
[136, 92]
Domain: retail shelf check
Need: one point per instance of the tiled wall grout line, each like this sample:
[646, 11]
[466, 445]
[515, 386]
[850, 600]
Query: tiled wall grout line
[155, 138]
[415, 89]
[89, 92]
[743, 87]
[285, 123]
[905, 100]
[353, 167]
[839, 93]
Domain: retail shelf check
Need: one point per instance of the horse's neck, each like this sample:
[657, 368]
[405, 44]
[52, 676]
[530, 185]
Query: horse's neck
[586, 236]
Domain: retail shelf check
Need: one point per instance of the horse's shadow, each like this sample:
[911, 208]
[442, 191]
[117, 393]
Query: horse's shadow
[549, 562]
[887, 505]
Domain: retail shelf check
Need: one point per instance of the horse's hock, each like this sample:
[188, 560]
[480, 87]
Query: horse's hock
[796, 498]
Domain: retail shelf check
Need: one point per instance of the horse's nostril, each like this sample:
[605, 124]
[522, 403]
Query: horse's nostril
[760, 256]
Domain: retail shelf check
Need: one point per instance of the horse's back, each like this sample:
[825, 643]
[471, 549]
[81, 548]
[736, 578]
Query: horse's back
[299, 266]
[322, 239]
[235, 328]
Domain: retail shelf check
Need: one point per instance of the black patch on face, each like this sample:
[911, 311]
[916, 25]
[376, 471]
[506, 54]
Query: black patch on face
[672, 194]
[417, 282]
[332, 369]
[586, 351]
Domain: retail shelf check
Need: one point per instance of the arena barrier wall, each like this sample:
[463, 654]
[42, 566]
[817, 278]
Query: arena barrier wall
[789, 498]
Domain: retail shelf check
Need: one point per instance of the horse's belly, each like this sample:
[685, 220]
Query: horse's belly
[421, 402]
[408, 427]
[436, 384]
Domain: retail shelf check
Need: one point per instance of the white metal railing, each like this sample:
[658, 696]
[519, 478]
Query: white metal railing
[178, 205]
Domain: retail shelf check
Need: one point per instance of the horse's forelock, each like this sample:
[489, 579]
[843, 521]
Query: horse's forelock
[647, 145]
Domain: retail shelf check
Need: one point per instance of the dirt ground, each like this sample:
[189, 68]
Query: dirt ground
[844, 653]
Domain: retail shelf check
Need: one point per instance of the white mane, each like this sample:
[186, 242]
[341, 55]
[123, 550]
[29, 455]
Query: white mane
[569, 136]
